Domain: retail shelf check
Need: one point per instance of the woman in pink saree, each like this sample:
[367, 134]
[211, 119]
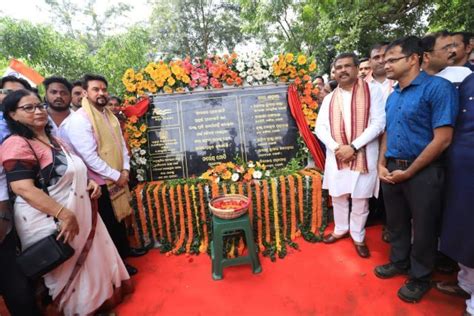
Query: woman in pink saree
[94, 279]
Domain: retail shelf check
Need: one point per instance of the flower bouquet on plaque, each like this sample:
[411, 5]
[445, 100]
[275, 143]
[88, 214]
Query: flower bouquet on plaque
[235, 172]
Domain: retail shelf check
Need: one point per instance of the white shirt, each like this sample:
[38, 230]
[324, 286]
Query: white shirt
[347, 181]
[455, 74]
[59, 131]
[80, 135]
[386, 87]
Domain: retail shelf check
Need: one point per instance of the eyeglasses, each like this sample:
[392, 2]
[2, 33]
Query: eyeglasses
[394, 60]
[31, 108]
[5, 91]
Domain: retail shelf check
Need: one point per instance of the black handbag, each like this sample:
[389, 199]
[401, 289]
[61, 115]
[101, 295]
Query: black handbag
[46, 254]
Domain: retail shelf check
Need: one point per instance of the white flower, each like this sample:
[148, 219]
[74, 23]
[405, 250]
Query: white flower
[257, 174]
[243, 74]
[250, 64]
[235, 177]
[267, 173]
[251, 165]
[142, 152]
[249, 79]
[140, 178]
[265, 73]
[240, 66]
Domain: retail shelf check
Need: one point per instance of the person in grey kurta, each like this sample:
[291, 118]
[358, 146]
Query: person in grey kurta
[457, 233]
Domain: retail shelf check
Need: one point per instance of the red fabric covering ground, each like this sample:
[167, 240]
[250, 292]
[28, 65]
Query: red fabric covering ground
[318, 280]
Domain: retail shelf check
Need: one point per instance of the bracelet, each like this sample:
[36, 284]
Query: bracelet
[59, 211]
[354, 148]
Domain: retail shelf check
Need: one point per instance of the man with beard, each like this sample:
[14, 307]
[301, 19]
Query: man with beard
[438, 57]
[95, 134]
[364, 68]
[463, 48]
[421, 113]
[349, 123]
[77, 95]
[14, 286]
[58, 98]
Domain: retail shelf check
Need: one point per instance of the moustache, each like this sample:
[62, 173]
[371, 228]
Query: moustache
[452, 55]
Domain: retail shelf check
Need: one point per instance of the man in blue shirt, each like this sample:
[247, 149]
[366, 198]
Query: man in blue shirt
[421, 112]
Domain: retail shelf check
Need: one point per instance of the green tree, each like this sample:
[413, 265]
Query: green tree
[194, 27]
[48, 51]
[82, 21]
[119, 52]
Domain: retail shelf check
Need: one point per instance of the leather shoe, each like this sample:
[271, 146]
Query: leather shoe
[137, 252]
[331, 238]
[452, 288]
[131, 269]
[362, 250]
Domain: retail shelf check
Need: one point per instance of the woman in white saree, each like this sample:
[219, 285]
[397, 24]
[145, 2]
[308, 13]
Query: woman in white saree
[94, 279]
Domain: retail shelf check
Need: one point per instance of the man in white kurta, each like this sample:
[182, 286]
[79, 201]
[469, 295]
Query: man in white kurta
[344, 183]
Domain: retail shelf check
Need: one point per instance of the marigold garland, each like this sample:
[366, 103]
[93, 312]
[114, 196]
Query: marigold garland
[259, 217]
[167, 215]
[283, 203]
[275, 213]
[266, 211]
[158, 209]
[205, 240]
[150, 212]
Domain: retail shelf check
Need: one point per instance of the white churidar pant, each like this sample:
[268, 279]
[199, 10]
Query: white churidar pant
[355, 222]
[466, 282]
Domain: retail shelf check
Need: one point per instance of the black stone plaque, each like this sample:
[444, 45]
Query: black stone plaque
[201, 129]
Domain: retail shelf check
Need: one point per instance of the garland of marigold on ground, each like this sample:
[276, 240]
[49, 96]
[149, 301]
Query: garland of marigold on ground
[176, 215]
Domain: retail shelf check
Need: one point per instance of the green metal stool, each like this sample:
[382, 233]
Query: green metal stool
[224, 227]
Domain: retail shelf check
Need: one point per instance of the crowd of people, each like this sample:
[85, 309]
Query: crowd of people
[400, 121]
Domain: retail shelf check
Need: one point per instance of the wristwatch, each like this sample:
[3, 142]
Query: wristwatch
[353, 147]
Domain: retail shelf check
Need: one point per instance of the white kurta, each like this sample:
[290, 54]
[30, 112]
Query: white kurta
[347, 181]
[79, 133]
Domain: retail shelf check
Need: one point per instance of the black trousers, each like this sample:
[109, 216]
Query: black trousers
[414, 204]
[116, 229]
[15, 288]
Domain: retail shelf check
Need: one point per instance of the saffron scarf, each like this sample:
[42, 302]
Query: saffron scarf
[360, 108]
[108, 136]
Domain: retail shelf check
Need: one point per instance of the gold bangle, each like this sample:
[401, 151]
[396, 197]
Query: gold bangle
[59, 211]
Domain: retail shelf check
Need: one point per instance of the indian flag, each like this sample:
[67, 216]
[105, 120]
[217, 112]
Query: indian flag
[18, 69]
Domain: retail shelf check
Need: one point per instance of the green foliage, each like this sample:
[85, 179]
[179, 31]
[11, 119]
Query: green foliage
[194, 28]
[325, 28]
[48, 51]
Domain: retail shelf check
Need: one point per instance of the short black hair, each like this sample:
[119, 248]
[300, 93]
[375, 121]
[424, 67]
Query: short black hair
[428, 41]
[332, 84]
[11, 78]
[10, 104]
[378, 46]
[56, 79]
[466, 36]
[116, 98]
[363, 59]
[410, 45]
[92, 77]
[354, 57]
[319, 77]
[77, 83]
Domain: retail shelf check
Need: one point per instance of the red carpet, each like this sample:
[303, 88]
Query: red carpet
[318, 280]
